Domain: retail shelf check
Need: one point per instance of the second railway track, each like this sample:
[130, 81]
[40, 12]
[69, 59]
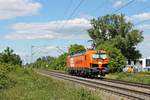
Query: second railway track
[128, 83]
[128, 90]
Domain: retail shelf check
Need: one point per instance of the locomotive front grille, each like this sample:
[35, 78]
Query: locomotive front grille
[94, 65]
[104, 65]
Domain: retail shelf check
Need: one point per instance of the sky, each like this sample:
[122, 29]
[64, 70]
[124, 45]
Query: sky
[47, 25]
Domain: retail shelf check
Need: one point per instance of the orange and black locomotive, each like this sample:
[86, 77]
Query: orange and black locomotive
[90, 63]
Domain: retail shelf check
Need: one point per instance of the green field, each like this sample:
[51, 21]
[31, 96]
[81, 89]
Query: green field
[30, 86]
[131, 77]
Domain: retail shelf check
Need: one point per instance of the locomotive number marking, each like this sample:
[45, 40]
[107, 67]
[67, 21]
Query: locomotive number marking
[71, 62]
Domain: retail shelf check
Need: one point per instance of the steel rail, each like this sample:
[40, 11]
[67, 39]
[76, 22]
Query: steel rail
[146, 86]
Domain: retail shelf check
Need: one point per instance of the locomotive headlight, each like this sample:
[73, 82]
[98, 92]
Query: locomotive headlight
[99, 62]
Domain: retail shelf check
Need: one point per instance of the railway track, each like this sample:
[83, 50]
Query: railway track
[147, 86]
[128, 83]
[128, 90]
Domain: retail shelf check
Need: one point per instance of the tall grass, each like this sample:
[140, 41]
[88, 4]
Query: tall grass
[31, 86]
[131, 77]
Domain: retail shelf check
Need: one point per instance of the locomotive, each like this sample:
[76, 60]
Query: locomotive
[92, 63]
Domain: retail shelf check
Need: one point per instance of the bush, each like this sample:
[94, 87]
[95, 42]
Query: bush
[5, 80]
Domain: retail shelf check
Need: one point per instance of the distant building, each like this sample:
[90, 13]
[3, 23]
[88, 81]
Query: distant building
[139, 65]
[145, 63]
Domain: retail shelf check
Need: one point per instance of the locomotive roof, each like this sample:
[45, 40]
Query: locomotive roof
[88, 52]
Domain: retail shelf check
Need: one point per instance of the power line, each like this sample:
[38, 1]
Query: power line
[123, 6]
[100, 6]
[143, 20]
[143, 9]
[60, 50]
[76, 8]
[68, 7]
[33, 52]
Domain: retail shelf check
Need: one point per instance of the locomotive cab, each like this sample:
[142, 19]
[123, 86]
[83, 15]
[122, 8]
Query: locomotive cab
[99, 59]
[99, 62]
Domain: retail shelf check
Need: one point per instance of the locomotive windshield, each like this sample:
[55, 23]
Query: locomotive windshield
[99, 56]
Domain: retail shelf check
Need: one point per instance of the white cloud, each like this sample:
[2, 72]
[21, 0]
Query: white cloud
[71, 29]
[119, 3]
[144, 27]
[139, 17]
[13, 8]
[142, 0]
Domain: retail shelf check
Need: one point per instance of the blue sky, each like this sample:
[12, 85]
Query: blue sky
[45, 23]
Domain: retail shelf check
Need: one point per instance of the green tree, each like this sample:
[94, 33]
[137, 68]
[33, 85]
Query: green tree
[43, 62]
[119, 32]
[60, 62]
[8, 56]
[76, 48]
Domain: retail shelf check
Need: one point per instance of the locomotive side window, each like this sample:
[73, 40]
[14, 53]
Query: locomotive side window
[99, 56]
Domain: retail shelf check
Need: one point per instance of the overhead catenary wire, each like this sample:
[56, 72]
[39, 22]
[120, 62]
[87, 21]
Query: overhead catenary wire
[73, 12]
[98, 7]
[61, 50]
[123, 6]
[66, 11]
[76, 8]
[68, 8]
[116, 9]
[140, 22]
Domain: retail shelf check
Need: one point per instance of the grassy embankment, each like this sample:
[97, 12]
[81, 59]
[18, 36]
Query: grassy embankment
[143, 77]
[30, 86]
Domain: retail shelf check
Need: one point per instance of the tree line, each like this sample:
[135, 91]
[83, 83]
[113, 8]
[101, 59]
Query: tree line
[8, 56]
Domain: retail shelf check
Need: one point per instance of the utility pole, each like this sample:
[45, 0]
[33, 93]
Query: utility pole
[31, 53]
[27, 59]
[60, 50]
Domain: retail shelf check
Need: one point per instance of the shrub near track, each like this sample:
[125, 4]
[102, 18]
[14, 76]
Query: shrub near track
[5, 80]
